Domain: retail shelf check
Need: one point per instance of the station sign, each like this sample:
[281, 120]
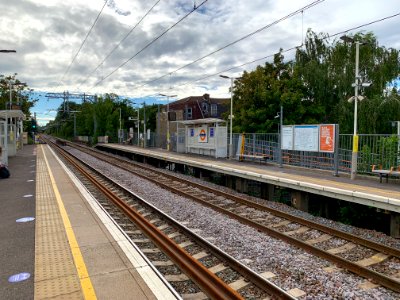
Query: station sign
[202, 134]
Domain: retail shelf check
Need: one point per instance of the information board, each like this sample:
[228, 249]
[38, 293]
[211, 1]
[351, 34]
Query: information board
[287, 138]
[306, 137]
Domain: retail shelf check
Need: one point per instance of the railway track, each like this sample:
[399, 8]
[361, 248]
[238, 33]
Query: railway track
[325, 242]
[193, 266]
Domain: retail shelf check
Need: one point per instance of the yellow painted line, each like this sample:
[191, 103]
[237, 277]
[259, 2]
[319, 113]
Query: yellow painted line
[86, 283]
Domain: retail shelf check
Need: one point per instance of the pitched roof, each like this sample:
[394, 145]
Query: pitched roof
[200, 98]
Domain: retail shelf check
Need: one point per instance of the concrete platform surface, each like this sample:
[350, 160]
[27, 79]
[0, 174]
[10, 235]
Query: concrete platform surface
[17, 239]
[64, 245]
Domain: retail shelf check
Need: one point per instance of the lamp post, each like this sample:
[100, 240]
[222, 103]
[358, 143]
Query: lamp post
[355, 98]
[230, 115]
[280, 116]
[74, 112]
[144, 125]
[168, 135]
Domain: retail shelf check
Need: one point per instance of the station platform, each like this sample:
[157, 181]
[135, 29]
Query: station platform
[364, 190]
[58, 243]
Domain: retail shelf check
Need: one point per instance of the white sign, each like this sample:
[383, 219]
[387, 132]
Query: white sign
[287, 138]
[306, 137]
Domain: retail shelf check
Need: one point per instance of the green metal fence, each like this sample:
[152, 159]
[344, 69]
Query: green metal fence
[374, 149]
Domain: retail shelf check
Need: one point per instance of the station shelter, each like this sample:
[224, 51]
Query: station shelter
[207, 136]
[11, 133]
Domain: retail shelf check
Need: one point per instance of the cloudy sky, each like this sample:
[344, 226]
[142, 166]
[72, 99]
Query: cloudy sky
[48, 36]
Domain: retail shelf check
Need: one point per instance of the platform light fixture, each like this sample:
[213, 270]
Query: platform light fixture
[168, 135]
[230, 115]
[357, 84]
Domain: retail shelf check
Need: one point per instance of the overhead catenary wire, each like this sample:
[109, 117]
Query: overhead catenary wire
[120, 42]
[290, 49]
[152, 42]
[301, 10]
[84, 40]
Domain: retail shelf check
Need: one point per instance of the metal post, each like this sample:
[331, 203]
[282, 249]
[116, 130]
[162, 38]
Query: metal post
[354, 154]
[138, 127]
[280, 137]
[74, 125]
[120, 126]
[398, 143]
[168, 136]
[230, 123]
[336, 152]
[158, 125]
[144, 125]
[10, 95]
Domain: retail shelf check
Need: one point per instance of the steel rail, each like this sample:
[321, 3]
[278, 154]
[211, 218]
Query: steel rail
[211, 284]
[331, 231]
[381, 279]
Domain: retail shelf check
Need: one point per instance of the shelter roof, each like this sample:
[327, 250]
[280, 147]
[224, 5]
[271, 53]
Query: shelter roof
[201, 121]
[12, 114]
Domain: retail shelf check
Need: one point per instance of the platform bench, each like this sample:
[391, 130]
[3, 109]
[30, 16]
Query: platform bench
[386, 173]
[254, 157]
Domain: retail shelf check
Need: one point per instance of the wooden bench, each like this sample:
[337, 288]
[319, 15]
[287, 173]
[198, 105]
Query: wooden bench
[386, 173]
[259, 157]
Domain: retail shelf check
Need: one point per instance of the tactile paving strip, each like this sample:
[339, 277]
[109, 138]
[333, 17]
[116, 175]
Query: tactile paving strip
[55, 272]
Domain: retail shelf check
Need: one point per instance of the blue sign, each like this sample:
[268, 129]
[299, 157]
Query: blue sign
[192, 132]
[27, 219]
[211, 131]
[19, 277]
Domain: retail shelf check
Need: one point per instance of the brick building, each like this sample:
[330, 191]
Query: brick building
[189, 108]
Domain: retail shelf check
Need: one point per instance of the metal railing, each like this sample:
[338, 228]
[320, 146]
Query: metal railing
[374, 149]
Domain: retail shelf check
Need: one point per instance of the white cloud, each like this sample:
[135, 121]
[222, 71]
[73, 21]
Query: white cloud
[47, 34]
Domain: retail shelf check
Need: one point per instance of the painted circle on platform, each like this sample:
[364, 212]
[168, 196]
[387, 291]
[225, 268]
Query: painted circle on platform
[27, 196]
[203, 134]
[19, 277]
[26, 219]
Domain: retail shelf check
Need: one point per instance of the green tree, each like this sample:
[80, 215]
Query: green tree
[328, 71]
[259, 94]
[19, 94]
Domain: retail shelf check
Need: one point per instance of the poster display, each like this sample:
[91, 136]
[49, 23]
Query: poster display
[306, 137]
[287, 138]
[327, 138]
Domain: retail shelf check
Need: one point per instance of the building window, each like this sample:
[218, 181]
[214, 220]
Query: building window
[214, 110]
[204, 106]
[189, 113]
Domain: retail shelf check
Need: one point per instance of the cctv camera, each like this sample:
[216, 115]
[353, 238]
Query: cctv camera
[366, 84]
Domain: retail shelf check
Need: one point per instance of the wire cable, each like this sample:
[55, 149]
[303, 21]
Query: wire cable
[120, 42]
[290, 49]
[83, 42]
[301, 10]
[152, 42]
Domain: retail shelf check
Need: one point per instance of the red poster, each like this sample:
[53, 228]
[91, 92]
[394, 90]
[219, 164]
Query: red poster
[327, 138]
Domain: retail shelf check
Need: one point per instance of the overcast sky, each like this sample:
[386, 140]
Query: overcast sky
[47, 35]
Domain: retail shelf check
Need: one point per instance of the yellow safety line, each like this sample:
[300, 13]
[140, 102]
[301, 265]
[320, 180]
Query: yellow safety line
[86, 283]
